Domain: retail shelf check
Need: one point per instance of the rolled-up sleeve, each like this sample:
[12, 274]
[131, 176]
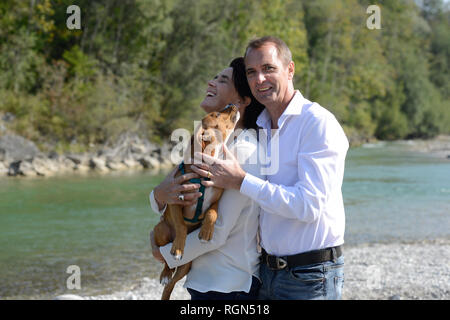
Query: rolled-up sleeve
[154, 204]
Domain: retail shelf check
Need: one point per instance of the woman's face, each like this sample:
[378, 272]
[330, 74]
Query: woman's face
[220, 92]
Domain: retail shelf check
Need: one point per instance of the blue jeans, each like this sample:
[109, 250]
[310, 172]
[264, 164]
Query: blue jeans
[321, 281]
[235, 295]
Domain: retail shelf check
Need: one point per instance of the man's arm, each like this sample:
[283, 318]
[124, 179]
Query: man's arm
[320, 172]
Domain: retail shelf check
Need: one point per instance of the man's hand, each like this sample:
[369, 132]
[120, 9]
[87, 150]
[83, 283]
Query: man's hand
[155, 249]
[226, 174]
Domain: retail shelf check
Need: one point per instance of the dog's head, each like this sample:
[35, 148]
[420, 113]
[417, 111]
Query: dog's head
[215, 129]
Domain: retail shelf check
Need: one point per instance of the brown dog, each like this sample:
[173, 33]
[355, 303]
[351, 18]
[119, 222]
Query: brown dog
[178, 221]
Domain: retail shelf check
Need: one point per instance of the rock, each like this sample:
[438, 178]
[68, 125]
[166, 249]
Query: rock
[52, 165]
[81, 162]
[166, 164]
[41, 166]
[149, 162]
[21, 168]
[82, 168]
[8, 117]
[53, 155]
[127, 146]
[74, 158]
[13, 169]
[17, 148]
[131, 163]
[3, 169]
[27, 169]
[66, 164]
[117, 166]
[69, 297]
[98, 164]
[20, 157]
[394, 297]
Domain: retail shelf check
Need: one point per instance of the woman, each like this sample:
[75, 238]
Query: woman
[227, 267]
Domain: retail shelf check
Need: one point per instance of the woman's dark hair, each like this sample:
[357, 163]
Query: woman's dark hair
[240, 83]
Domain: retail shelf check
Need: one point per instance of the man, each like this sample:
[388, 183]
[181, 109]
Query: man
[302, 216]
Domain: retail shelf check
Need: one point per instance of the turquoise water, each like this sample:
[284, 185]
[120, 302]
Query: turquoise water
[391, 194]
[101, 223]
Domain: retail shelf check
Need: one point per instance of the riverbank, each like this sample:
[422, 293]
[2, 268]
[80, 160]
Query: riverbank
[388, 271]
[438, 147]
[21, 158]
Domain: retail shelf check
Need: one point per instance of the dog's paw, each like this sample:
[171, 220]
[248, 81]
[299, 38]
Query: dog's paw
[177, 256]
[204, 239]
[205, 236]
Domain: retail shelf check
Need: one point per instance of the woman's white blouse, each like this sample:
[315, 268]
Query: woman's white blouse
[228, 262]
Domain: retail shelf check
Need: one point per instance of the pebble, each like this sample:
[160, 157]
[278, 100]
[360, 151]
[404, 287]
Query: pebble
[390, 271]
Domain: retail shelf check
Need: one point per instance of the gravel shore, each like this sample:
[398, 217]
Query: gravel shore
[438, 147]
[395, 271]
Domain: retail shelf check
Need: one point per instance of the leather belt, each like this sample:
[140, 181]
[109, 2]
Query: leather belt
[301, 259]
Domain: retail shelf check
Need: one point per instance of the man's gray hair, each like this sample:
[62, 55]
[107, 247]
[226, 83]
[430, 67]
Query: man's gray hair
[283, 50]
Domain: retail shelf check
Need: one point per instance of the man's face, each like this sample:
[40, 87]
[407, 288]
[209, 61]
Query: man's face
[267, 76]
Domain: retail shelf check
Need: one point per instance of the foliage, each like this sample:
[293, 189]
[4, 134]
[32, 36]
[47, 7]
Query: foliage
[143, 65]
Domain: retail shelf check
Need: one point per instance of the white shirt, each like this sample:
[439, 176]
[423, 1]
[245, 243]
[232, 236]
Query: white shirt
[301, 204]
[229, 260]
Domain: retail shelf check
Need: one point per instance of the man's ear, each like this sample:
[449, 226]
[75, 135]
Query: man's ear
[291, 70]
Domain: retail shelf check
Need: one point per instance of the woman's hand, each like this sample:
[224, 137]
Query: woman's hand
[171, 188]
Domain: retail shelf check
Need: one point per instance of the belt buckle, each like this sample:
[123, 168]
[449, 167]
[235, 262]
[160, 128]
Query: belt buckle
[279, 262]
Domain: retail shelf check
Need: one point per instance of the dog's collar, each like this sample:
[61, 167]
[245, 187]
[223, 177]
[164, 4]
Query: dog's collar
[198, 209]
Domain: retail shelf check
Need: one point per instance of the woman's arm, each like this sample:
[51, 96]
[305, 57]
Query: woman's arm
[167, 192]
[231, 205]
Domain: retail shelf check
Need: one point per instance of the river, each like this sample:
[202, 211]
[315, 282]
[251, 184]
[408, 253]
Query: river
[100, 223]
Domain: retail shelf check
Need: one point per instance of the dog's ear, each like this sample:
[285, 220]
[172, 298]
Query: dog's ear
[203, 144]
[199, 137]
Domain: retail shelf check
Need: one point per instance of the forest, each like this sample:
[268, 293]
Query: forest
[142, 66]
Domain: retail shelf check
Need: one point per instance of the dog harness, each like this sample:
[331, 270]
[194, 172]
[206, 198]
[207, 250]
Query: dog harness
[198, 209]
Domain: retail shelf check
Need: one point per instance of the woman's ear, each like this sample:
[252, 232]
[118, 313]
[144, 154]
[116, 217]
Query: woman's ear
[246, 101]
[242, 103]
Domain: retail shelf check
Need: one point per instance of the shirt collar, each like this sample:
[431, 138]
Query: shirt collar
[294, 108]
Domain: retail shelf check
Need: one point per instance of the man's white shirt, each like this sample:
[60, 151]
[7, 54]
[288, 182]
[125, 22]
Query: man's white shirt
[301, 204]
